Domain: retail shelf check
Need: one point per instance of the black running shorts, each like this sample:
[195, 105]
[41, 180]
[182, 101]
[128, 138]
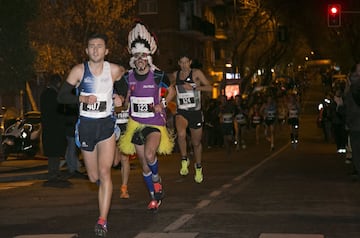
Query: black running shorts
[92, 131]
[195, 118]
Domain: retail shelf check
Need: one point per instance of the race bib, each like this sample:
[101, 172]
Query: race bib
[271, 115]
[256, 119]
[293, 113]
[227, 118]
[142, 107]
[240, 118]
[186, 100]
[96, 107]
[122, 117]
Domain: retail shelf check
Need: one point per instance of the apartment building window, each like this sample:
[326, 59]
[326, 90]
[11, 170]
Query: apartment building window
[148, 7]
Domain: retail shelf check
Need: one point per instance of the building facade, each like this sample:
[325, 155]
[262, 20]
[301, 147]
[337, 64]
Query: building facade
[190, 27]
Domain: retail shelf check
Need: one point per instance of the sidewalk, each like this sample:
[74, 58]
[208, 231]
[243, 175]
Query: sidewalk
[18, 169]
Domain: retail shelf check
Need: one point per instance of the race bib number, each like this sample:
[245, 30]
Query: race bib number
[293, 114]
[227, 118]
[271, 115]
[256, 120]
[142, 107]
[122, 117]
[186, 100]
[96, 107]
[240, 118]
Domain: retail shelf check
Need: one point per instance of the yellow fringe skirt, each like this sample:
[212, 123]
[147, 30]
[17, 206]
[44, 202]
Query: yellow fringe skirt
[166, 140]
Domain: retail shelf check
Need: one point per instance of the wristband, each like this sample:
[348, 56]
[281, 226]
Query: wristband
[163, 102]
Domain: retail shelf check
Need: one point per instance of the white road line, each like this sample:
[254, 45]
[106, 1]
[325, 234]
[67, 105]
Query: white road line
[202, 204]
[279, 235]
[167, 235]
[252, 169]
[178, 223]
[49, 236]
[227, 185]
[215, 193]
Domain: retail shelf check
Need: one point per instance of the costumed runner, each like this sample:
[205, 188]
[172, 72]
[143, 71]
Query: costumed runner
[146, 133]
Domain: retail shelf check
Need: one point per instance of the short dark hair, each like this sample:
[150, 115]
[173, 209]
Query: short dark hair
[96, 35]
[184, 54]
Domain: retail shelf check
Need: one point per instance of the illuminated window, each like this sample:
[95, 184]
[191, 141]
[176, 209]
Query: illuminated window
[232, 90]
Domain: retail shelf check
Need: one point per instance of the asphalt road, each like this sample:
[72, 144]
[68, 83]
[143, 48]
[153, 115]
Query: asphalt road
[299, 193]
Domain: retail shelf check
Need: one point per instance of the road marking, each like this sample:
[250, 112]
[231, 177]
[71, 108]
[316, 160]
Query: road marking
[215, 193]
[278, 235]
[178, 223]
[228, 185]
[202, 204]
[167, 235]
[12, 185]
[49, 236]
[252, 169]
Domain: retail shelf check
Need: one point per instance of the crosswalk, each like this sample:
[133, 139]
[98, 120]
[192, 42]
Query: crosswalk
[280, 235]
[176, 235]
[49, 236]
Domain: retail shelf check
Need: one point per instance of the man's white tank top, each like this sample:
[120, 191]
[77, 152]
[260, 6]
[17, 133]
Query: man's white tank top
[102, 87]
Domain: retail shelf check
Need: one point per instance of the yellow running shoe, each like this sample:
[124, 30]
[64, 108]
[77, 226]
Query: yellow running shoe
[198, 175]
[184, 167]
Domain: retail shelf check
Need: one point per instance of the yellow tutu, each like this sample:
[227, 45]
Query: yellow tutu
[166, 141]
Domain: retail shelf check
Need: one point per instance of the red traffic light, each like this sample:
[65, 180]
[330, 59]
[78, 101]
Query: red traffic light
[334, 10]
[334, 15]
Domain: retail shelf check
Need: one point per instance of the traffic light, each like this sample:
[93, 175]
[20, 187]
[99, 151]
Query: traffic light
[334, 15]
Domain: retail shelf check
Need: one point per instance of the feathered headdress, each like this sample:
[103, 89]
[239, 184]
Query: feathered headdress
[140, 40]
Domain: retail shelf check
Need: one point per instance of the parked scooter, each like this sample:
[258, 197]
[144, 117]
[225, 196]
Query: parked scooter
[22, 137]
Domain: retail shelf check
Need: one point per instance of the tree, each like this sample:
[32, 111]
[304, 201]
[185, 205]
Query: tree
[253, 40]
[59, 33]
[16, 56]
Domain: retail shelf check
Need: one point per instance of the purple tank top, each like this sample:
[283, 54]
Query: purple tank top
[143, 96]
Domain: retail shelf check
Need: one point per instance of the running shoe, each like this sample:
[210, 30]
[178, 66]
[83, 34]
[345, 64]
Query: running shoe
[154, 205]
[124, 192]
[101, 230]
[243, 145]
[184, 167]
[198, 175]
[348, 160]
[158, 191]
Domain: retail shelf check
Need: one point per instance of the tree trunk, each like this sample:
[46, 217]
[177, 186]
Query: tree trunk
[31, 98]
